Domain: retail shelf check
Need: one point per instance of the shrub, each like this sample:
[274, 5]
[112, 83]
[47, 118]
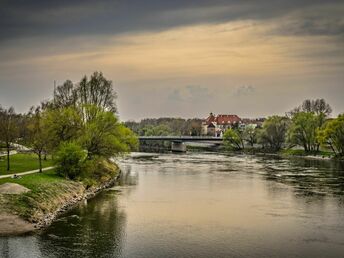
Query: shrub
[69, 160]
[98, 170]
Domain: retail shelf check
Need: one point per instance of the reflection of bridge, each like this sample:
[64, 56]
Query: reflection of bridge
[178, 141]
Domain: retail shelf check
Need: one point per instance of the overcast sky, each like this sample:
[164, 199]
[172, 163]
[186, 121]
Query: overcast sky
[177, 58]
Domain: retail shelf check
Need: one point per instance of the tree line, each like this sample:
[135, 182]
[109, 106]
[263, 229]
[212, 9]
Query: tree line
[308, 126]
[166, 126]
[78, 128]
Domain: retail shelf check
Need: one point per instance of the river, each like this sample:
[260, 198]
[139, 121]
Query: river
[203, 205]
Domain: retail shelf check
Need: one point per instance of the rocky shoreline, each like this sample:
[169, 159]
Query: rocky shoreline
[88, 194]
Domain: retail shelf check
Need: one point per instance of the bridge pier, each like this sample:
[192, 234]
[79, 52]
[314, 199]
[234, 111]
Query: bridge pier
[178, 146]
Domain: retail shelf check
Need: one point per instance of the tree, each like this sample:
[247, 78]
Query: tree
[273, 132]
[158, 130]
[8, 130]
[234, 139]
[303, 131]
[38, 136]
[317, 106]
[97, 91]
[250, 134]
[332, 134]
[104, 136]
[62, 125]
[65, 95]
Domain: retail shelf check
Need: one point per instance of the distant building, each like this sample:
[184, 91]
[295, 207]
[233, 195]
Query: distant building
[217, 125]
[255, 123]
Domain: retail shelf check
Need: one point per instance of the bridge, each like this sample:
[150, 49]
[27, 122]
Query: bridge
[178, 142]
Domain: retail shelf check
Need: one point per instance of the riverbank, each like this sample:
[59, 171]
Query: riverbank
[286, 153]
[47, 197]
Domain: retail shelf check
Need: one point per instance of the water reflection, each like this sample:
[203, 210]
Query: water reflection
[318, 178]
[95, 227]
[92, 228]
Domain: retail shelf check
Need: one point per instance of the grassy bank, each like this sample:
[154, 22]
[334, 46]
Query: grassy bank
[49, 193]
[22, 162]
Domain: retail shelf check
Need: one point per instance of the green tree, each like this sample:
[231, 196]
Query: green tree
[105, 136]
[234, 139]
[303, 130]
[273, 132]
[332, 134]
[62, 125]
[157, 130]
[8, 130]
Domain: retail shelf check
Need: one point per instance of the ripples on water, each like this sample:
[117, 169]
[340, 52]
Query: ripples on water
[203, 205]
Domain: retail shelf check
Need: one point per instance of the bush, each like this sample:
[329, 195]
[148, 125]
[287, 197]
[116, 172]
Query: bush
[69, 160]
[98, 170]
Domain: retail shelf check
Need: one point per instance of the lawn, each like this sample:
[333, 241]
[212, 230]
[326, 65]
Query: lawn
[22, 163]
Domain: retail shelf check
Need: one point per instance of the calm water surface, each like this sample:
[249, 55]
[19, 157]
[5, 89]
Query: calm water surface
[203, 205]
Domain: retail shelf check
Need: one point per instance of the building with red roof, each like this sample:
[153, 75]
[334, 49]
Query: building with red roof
[216, 125]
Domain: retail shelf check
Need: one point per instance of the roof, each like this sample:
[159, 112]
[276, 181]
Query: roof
[227, 119]
[222, 119]
[210, 119]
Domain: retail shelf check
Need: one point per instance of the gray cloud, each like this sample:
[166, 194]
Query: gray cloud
[318, 20]
[82, 31]
[57, 19]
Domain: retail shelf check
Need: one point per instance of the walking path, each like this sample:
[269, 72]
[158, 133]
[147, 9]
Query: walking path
[5, 154]
[26, 173]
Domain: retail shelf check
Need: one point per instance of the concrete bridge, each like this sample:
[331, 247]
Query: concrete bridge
[178, 142]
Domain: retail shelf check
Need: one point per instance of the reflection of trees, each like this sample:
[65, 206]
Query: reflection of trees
[309, 177]
[95, 229]
[127, 177]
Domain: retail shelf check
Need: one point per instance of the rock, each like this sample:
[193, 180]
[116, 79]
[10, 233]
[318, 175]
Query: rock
[12, 188]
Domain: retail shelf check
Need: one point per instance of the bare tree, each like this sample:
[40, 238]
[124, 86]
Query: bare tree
[65, 95]
[37, 134]
[97, 91]
[8, 130]
[317, 106]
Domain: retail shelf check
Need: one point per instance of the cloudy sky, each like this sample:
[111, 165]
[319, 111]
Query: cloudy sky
[177, 58]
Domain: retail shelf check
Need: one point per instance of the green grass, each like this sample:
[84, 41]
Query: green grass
[22, 163]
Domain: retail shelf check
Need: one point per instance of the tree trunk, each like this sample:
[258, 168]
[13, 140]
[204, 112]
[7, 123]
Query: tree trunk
[8, 156]
[40, 161]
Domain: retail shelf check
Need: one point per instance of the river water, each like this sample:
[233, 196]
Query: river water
[203, 205]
